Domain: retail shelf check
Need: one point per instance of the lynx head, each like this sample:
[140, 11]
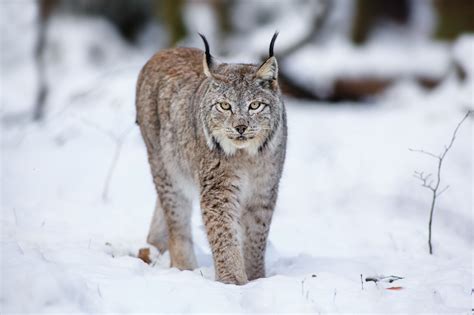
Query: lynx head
[242, 107]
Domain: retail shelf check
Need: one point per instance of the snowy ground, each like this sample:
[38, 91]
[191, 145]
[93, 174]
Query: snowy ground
[348, 205]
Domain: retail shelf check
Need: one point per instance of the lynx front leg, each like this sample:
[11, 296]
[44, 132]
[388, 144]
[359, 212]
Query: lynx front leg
[256, 223]
[221, 216]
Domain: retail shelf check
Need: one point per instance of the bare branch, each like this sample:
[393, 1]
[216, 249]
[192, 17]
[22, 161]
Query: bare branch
[102, 130]
[118, 141]
[424, 179]
[455, 133]
[15, 216]
[21, 248]
[99, 292]
[435, 188]
[118, 149]
[442, 191]
[425, 152]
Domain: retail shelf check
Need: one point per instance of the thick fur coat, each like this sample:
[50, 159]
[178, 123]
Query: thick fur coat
[215, 133]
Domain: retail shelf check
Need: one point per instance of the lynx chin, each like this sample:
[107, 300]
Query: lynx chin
[214, 133]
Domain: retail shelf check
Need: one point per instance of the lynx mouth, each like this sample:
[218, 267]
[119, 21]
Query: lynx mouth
[242, 139]
[240, 142]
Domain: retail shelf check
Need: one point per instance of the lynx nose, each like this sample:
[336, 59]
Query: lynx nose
[241, 128]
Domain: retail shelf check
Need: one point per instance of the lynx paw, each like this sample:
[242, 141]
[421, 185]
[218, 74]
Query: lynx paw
[238, 278]
[184, 264]
[254, 274]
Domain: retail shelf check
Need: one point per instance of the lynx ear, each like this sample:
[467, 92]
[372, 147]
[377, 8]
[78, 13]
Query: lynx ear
[268, 71]
[207, 59]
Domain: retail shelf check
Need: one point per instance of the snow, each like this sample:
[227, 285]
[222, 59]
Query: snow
[348, 204]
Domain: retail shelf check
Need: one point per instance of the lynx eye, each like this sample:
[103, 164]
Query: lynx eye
[224, 105]
[256, 106]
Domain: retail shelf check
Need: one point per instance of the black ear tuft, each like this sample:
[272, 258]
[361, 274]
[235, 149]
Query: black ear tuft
[272, 43]
[206, 46]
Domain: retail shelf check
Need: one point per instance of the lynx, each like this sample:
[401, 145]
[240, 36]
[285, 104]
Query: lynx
[216, 133]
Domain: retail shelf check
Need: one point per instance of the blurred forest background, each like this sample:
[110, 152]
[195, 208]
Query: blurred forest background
[326, 42]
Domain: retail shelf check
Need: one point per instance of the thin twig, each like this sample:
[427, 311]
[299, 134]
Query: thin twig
[15, 216]
[302, 286]
[424, 179]
[99, 128]
[425, 152]
[21, 248]
[110, 172]
[434, 186]
[99, 291]
[119, 141]
[442, 191]
[118, 149]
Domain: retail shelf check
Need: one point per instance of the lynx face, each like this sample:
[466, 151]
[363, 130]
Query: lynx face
[241, 108]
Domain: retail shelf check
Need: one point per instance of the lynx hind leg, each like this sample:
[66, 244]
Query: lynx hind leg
[256, 225]
[177, 209]
[158, 234]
